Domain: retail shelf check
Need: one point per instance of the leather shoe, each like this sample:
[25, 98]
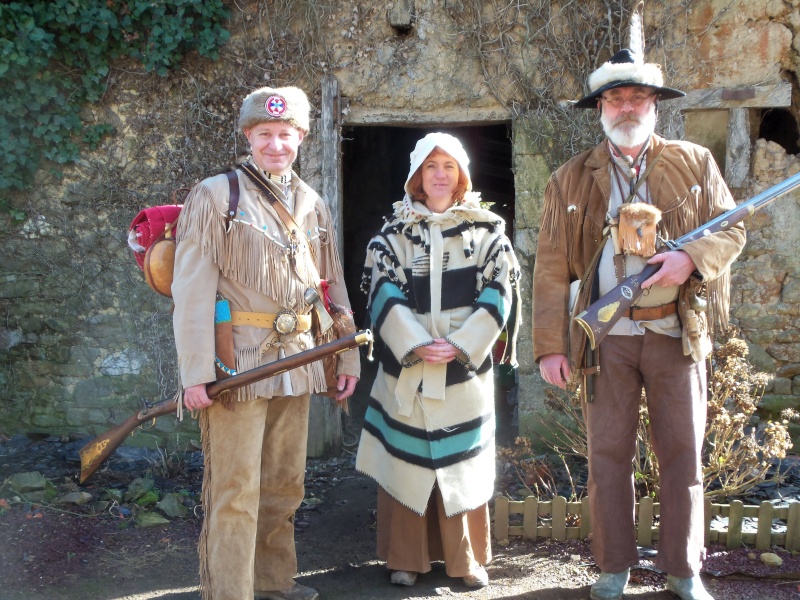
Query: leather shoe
[408, 578]
[688, 588]
[296, 592]
[609, 586]
[477, 578]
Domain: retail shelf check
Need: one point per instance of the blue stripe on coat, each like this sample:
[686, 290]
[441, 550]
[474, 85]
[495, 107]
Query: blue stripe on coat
[385, 296]
[495, 302]
[429, 449]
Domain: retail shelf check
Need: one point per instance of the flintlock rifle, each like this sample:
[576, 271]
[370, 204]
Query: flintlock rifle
[598, 319]
[100, 448]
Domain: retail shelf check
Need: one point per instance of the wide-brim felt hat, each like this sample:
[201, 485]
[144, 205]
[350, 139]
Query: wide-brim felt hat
[626, 69]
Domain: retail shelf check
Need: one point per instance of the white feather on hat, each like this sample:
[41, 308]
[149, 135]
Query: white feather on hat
[627, 68]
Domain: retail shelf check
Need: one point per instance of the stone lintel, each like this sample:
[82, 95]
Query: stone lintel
[363, 115]
[755, 96]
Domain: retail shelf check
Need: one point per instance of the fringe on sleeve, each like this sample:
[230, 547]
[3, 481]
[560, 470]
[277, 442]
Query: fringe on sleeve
[330, 266]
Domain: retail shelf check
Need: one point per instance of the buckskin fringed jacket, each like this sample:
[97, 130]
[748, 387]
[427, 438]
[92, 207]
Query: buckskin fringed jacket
[685, 185]
[448, 275]
[250, 267]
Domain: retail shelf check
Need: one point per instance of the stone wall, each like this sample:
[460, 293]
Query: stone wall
[766, 283]
[83, 341]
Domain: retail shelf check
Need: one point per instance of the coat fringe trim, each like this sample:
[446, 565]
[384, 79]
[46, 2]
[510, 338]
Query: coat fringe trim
[202, 545]
[240, 252]
[688, 214]
[250, 357]
[414, 510]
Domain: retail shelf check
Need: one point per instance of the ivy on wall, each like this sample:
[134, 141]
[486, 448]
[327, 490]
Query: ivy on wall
[55, 57]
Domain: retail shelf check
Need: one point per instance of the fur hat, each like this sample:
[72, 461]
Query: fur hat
[627, 68]
[288, 104]
[444, 141]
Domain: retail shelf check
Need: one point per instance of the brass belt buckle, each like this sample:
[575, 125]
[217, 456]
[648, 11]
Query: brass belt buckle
[286, 321]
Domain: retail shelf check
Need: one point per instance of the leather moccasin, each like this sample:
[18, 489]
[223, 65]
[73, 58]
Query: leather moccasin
[688, 588]
[477, 578]
[404, 578]
[609, 586]
[296, 592]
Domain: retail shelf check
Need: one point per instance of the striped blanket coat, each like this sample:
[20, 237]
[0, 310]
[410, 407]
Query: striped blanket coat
[451, 275]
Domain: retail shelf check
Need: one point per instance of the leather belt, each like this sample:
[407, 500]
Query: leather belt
[266, 320]
[651, 313]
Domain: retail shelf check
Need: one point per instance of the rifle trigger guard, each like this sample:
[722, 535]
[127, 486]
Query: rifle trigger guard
[148, 426]
[670, 244]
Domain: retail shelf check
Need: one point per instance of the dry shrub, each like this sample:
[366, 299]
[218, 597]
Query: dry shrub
[737, 454]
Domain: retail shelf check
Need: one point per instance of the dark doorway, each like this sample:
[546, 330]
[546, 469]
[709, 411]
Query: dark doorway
[375, 164]
[779, 125]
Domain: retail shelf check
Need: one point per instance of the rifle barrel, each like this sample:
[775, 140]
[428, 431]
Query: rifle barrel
[598, 318]
[100, 448]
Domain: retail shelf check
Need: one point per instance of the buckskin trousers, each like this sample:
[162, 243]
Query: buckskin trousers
[676, 401]
[255, 458]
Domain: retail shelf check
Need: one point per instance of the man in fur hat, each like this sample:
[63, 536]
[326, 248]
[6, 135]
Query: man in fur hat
[603, 212]
[254, 440]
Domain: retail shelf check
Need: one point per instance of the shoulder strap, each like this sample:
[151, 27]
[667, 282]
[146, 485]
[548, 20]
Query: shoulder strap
[233, 200]
[280, 208]
[647, 172]
[285, 216]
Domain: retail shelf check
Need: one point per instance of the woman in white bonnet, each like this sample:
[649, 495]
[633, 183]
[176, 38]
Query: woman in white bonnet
[442, 282]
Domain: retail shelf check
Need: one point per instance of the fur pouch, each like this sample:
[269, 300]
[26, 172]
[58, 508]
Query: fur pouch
[637, 229]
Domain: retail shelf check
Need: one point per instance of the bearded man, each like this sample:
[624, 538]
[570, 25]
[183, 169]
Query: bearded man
[606, 212]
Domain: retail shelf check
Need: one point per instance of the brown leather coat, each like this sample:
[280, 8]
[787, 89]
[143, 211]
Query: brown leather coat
[573, 219]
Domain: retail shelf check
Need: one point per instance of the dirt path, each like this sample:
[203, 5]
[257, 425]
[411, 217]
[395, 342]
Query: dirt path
[47, 553]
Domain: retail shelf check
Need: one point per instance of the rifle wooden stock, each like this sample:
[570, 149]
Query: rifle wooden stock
[598, 319]
[100, 448]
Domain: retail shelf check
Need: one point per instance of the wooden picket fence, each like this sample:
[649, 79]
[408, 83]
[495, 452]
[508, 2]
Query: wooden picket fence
[561, 520]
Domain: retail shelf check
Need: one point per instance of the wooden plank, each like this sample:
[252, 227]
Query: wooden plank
[331, 150]
[793, 527]
[558, 508]
[324, 428]
[645, 530]
[735, 514]
[586, 519]
[764, 533]
[737, 151]
[325, 417]
[516, 507]
[757, 96]
[530, 518]
[748, 510]
[501, 518]
[560, 518]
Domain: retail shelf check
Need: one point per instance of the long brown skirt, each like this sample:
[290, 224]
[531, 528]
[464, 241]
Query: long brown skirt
[409, 542]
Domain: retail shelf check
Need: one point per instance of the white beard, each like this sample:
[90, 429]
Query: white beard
[626, 132]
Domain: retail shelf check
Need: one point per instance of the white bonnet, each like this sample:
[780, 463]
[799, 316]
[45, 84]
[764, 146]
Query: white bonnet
[445, 142]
